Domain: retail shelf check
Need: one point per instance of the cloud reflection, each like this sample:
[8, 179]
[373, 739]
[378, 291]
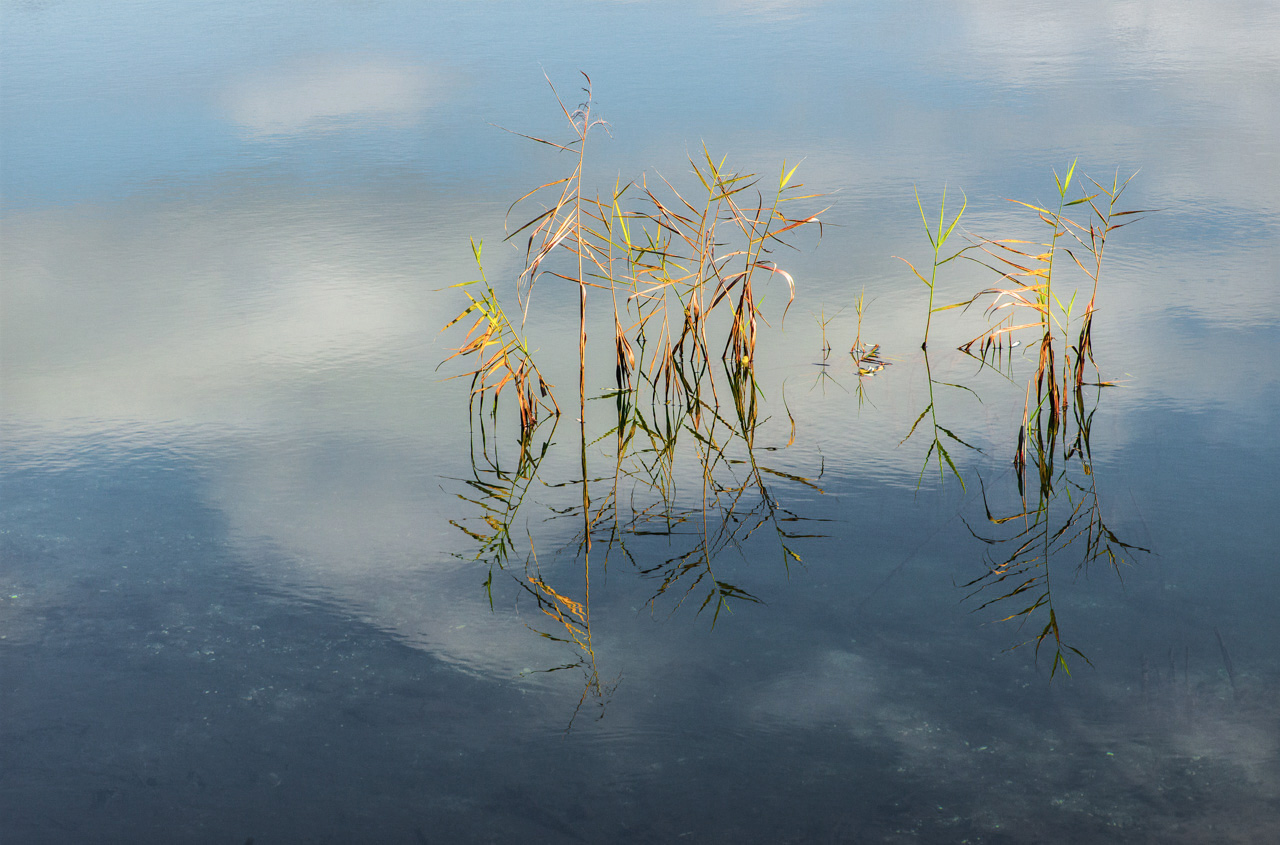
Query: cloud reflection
[327, 93]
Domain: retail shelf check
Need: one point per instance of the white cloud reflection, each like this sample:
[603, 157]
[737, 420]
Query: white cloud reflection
[759, 11]
[326, 93]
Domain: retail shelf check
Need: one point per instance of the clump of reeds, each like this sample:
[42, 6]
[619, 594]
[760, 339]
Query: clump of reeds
[695, 257]
[669, 267]
[1029, 285]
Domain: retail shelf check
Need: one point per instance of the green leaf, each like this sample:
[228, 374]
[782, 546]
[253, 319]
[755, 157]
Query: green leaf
[786, 176]
[928, 232]
[1062, 661]
[914, 424]
[943, 239]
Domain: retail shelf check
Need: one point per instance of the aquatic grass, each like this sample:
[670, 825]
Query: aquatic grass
[1060, 510]
[1101, 224]
[824, 365]
[1029, 284]
[1031, 273]
[669, 267]
[502, 355]
[867, 360]
[569, 224]
[685, 271]
[669, 270]
[937, 239]
[857, 350]
[704, 253]
[823, 321]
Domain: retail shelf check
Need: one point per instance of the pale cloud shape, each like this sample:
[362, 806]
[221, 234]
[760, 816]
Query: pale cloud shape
[325, 93]
[266, 354]
[767, 10]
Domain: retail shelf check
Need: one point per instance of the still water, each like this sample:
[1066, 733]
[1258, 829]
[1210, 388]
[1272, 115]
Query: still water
[250, 591]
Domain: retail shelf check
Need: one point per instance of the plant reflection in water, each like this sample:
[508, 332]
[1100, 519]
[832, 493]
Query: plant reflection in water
[686, 544]
[1061, 515]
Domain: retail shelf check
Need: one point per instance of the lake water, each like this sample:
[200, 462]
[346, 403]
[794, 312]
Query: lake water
[247, 594]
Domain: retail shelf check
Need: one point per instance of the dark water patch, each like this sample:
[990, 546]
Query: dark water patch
[156, 691]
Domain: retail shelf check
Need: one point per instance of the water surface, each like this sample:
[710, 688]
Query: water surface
[236, 600]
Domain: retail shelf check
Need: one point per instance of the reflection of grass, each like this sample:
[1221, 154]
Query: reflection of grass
[575, 619]
[637, 513]
[496, 493]
[1064, 511]
[645, 507]
[937, 445]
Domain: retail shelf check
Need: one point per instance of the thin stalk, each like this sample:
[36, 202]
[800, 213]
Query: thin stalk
[936, 240]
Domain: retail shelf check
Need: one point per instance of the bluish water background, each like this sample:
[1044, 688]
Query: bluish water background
[234, 604]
